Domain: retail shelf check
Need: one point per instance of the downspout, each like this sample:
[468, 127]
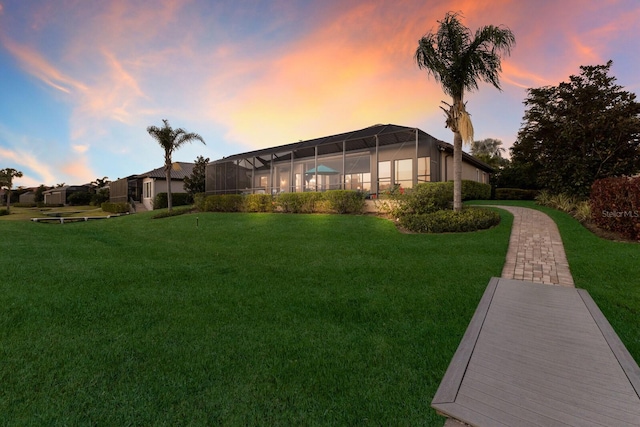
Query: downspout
[315, 159]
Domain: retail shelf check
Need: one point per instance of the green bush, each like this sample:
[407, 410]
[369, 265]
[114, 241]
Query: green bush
[345, 201]
[298, 202]
[472, 190]
[4, 212]
[121, 207]
[24, 205]
[101, 196]
[80, 198]
[449, 221]
[177, 199]
[198, 201]
[224, 203]
[258, 203]
[515, 194]
[426, 198]
[174, 212]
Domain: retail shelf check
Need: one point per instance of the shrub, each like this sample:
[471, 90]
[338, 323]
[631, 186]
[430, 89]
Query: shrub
[449, 221]
[80, 198]
[472, 190]
[101, 196]
[582, 211]
[298, 202]
[198, 201]
[120, 207]
[345, 201]
[4, 212]
[426, 198]
[224, 203]
[515, 194]
[24, 205]
[174, 212]
[177, 199]
[615, 205]
[258, 203]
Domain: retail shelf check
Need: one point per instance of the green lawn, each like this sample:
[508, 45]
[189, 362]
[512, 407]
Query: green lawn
[255, 319]
[247, 319]
[21, 213]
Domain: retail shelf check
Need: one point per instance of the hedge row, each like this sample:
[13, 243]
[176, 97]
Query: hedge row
[336, 201]
[449, 221]
[515, 194]
[177, 199]
[615, 205]
[115, 207]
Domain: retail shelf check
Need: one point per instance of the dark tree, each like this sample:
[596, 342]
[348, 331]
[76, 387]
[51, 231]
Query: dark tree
[578, 132]
[195, 183]
[39, 196]
[6, 180]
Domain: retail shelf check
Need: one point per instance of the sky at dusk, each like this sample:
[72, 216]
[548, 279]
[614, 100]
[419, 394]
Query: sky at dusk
[81, 80]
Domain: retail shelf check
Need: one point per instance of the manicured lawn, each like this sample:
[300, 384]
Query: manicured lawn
[20, 213]
[247, 319]
[609, 270]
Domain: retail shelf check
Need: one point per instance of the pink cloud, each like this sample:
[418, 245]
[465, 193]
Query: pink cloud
[34, 63]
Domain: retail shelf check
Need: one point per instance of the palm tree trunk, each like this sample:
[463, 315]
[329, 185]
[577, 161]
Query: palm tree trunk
[457, 171]
[167, 174]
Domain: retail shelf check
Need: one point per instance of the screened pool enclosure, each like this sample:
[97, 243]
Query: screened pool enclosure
[370, 160]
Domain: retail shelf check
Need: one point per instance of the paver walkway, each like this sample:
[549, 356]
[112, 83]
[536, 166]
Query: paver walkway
[536, 253]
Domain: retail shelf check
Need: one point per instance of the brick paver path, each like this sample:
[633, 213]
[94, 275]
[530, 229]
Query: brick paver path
[536, 253]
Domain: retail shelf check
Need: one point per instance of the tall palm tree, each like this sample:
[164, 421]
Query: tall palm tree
[6, 180]
[457, 60]
[170, 140]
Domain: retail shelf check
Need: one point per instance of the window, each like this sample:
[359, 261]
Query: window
[147, 190]
[424, 169]
[404, 173]
[358, 181]
[384, 175]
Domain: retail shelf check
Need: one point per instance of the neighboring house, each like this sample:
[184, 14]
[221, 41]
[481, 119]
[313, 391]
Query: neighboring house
[143, 188]
[28, 197]
[371, 160]
[60, 195]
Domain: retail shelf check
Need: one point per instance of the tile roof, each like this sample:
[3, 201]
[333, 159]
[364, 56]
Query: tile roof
[179, 170]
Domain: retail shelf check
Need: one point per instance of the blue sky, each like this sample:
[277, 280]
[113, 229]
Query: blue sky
[81, 80]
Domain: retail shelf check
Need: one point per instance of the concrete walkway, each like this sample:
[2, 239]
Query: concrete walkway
[536, 253]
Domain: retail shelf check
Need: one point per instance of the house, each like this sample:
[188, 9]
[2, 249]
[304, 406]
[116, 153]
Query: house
[28, 197]
[143, 188]
[60, 195]
[372, 160]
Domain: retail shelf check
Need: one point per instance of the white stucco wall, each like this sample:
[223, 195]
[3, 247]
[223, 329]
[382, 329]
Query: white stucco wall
[158, 186]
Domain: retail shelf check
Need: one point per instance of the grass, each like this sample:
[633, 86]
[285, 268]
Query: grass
[245, 319]
[21, 214]
[608, 270]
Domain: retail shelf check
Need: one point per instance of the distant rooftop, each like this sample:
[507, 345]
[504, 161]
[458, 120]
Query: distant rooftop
[179, 171]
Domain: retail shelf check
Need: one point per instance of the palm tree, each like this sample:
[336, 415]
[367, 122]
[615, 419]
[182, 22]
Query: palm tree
[457, 60]
[6, 180]
[488, 147]
[170, 140]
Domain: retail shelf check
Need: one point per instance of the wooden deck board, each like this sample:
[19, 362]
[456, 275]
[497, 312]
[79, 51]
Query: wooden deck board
[540, 355]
